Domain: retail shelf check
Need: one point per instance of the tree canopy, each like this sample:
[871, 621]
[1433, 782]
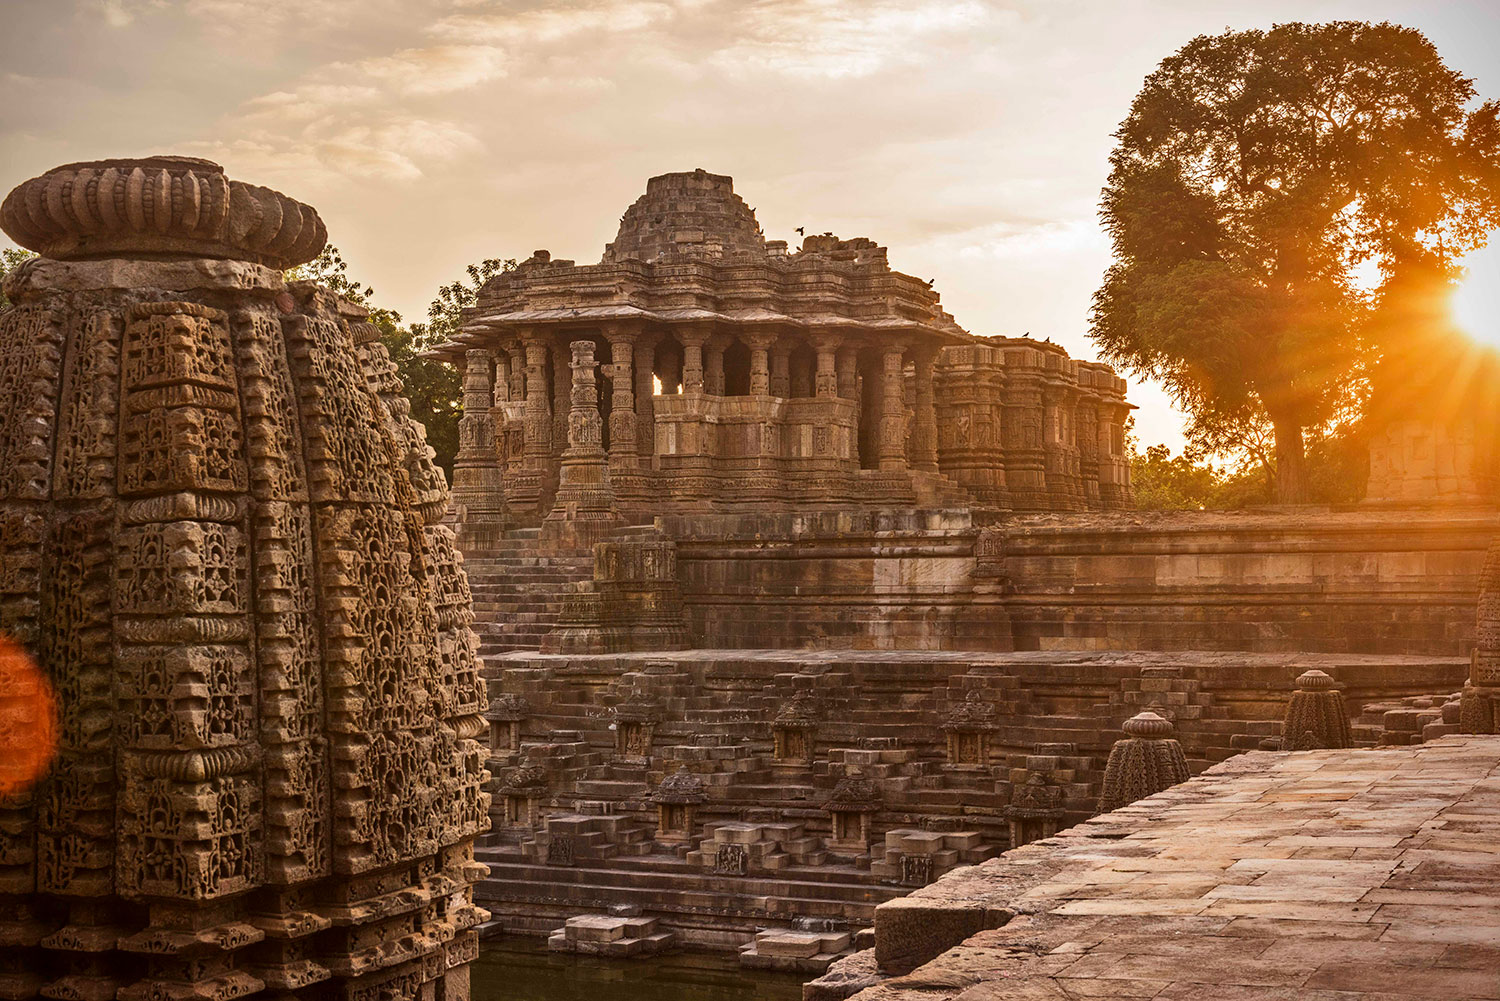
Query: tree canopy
[1255, 173]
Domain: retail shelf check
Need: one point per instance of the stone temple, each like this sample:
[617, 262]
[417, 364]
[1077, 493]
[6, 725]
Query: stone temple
[772, 613]
[746, 378]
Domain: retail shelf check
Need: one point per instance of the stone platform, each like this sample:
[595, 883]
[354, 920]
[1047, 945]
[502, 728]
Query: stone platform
[1325, 875]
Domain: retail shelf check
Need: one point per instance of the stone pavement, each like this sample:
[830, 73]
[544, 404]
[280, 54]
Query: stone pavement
[1323, 875]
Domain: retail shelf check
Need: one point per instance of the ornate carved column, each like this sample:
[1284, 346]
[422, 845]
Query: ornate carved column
[645, 390]
[692, 339]
[510, 434]
[561, 382]
[759, 342]
[517, 352]
[713, 374]
[478, 493]
[924, 453]
[847, 368]
[826, 380]
[500, 373]
[893, 410]
[801, 378]
[583, 511]
[781, 369]
[528, 480]
[538, 446]
[622, 449]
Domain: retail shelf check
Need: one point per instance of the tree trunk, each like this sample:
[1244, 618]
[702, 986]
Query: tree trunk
[1291, 473]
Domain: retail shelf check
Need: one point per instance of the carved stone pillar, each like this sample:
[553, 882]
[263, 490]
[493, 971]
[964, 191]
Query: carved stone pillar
[893, 410]
[538, 412]
[826, 381]
[517, 352]
[645, 390]
[781, 370]
[477, 490]
[759, 343]
[713, 374]
[583, 511]
[622, 437]
[692, 359]
[848, 372]
[924, 453]
[561, 383]
[528, 481]
[801, 377]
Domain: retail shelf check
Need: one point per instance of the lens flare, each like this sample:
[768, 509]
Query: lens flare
[1476, 303]
[28, 720]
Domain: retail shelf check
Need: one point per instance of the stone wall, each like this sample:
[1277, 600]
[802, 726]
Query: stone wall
[828, 781]
[1400, 580]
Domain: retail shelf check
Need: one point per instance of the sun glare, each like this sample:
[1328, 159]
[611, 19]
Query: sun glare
[1476, 304]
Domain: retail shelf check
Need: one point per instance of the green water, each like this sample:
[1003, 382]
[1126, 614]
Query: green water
[519, 969]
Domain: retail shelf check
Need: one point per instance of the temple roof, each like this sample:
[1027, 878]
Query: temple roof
[690, 251]
[693, 213]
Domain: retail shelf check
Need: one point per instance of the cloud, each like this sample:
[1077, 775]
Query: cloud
[258, 17]
[325, 152]
[121, 13]
[838, 39]
[548, 25]
[435, 70]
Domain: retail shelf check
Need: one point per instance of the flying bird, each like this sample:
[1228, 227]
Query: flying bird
[800, 231]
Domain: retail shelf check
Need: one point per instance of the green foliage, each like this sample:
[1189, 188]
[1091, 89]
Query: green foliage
[444, 316]
[1338, 466]
[10, 258]
[434, 388]
[1255, 171]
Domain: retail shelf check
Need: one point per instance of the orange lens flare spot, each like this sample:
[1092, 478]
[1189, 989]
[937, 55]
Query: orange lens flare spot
[28, 720]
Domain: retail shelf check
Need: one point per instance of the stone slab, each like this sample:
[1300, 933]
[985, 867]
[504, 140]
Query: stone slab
[1266, 898]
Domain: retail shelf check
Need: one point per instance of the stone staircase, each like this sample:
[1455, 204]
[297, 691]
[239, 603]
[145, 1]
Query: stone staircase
[518, 593]
[935, 490]
[587, 838]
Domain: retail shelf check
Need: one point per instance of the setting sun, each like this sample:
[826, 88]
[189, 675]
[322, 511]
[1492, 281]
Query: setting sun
[1476, 304]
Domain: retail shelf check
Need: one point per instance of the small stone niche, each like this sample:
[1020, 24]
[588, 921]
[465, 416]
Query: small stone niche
[1035, 811]
[968, 728]
[677, 800]
[794, 729]
[521, 794]
[635, 723]
[851, 809]
[506, 715]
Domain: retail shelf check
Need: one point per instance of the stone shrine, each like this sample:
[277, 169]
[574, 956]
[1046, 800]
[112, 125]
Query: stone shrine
[219, 539]
[745, 377]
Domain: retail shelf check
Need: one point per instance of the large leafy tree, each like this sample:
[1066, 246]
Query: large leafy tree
[1257, 170]
[434, 388]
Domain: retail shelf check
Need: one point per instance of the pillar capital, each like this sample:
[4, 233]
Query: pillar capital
[759, 338]
[693, 335]
[622, 331]
[825, 341]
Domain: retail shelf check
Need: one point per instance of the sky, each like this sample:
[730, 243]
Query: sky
[970, 137]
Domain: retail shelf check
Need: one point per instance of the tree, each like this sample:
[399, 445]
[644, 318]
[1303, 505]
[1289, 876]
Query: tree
[10, 259]
[1255, 171]
[434, 388]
